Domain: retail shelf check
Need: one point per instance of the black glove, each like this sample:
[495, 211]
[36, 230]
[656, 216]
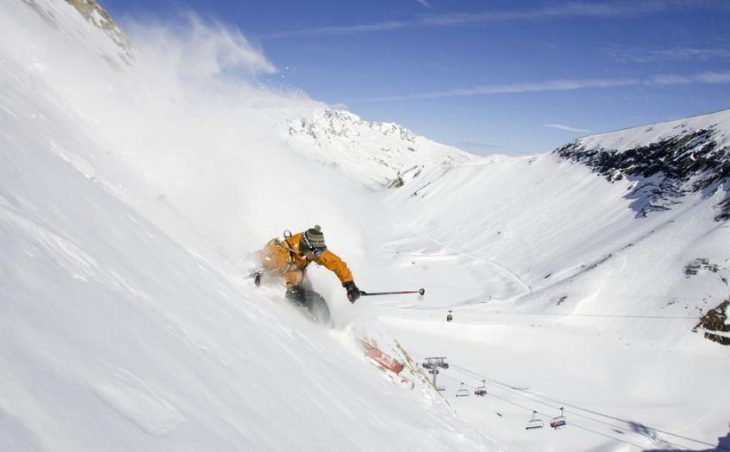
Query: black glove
[353, 293]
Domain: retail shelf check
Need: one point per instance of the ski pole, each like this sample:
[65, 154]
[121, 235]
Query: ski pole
[400, 292]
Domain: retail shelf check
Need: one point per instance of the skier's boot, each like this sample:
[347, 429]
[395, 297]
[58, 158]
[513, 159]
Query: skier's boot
[297, 295]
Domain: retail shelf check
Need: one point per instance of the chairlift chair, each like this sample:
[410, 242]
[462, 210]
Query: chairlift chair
[462, 391]
[558, 421]
[534, 423]
[481, 391]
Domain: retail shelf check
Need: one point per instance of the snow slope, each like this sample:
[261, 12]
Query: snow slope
[624, 140]
[562, 296]
[132, 193]
[582, 242]
[115, 337]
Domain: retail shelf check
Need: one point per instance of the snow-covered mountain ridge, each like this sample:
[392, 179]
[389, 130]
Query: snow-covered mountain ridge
[378, 153]
[666, 160]
[116, 50]
[128, 199]
[513, 212]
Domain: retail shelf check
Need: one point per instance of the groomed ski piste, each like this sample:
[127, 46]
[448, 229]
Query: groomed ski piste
[132, 195]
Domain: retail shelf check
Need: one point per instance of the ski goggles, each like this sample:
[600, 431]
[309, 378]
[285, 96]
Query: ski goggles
[319, 250]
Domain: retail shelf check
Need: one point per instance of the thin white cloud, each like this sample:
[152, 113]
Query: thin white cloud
[670, 54]
[513, 88]
[565, 85]
[425, 3]
[572, 9]
[709, 78]
[566, 128]
[566, 10]
[352, 29]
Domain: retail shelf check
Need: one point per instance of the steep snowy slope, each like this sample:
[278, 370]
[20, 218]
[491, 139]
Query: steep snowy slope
[117, 337]
[131, 194]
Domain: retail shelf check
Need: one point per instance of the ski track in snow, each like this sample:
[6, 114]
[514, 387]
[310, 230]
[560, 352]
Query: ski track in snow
[132, 398]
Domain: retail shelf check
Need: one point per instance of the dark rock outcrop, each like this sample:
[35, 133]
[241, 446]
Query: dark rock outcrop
[665, 170]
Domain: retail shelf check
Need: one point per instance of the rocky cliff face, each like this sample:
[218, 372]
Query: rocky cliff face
[98, 16]
[667, 161]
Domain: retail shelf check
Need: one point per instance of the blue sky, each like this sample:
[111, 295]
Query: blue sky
[508, 77]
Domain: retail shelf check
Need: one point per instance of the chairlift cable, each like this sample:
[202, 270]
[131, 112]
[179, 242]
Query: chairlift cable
[521, 392]
[573, 423]
[443, 374]
[481, 377]
[612, 437]
[610, 316]
[467, 372]
[625, 421]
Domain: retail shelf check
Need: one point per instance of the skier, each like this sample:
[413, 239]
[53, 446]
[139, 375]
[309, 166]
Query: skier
[291, 256]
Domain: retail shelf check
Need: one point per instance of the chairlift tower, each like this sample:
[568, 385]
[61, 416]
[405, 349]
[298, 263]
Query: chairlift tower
[433, 365]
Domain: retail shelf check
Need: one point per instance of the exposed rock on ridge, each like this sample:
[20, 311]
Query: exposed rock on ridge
[94, 15]
[693, 157]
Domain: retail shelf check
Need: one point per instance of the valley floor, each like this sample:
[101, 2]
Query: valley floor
[619, 391]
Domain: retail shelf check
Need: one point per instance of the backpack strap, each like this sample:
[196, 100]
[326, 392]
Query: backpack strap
[287, 246]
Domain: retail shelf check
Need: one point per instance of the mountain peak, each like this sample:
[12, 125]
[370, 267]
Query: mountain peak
[379, 153]
[668, 160]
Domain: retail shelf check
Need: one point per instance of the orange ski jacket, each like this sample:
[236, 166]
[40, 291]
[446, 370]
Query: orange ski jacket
[284, 257]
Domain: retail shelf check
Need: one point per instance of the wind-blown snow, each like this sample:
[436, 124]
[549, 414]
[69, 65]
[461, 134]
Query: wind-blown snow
[131, 194]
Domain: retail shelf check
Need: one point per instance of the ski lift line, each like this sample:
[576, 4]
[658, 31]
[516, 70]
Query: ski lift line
[468, 372]
[624, 421]
[612, 437]
[473, 375]
[568, 314]
[582, 427]
[618, 316]
[519, 405]
[573, 423]
[481, 377]
[613, 426]
[607, 298]
[443, 374]
[532, 410]
[521, 393]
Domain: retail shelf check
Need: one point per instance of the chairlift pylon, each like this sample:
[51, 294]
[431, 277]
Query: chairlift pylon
[481, 391]
[462, 391]
[559, 421]
[534, 423]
